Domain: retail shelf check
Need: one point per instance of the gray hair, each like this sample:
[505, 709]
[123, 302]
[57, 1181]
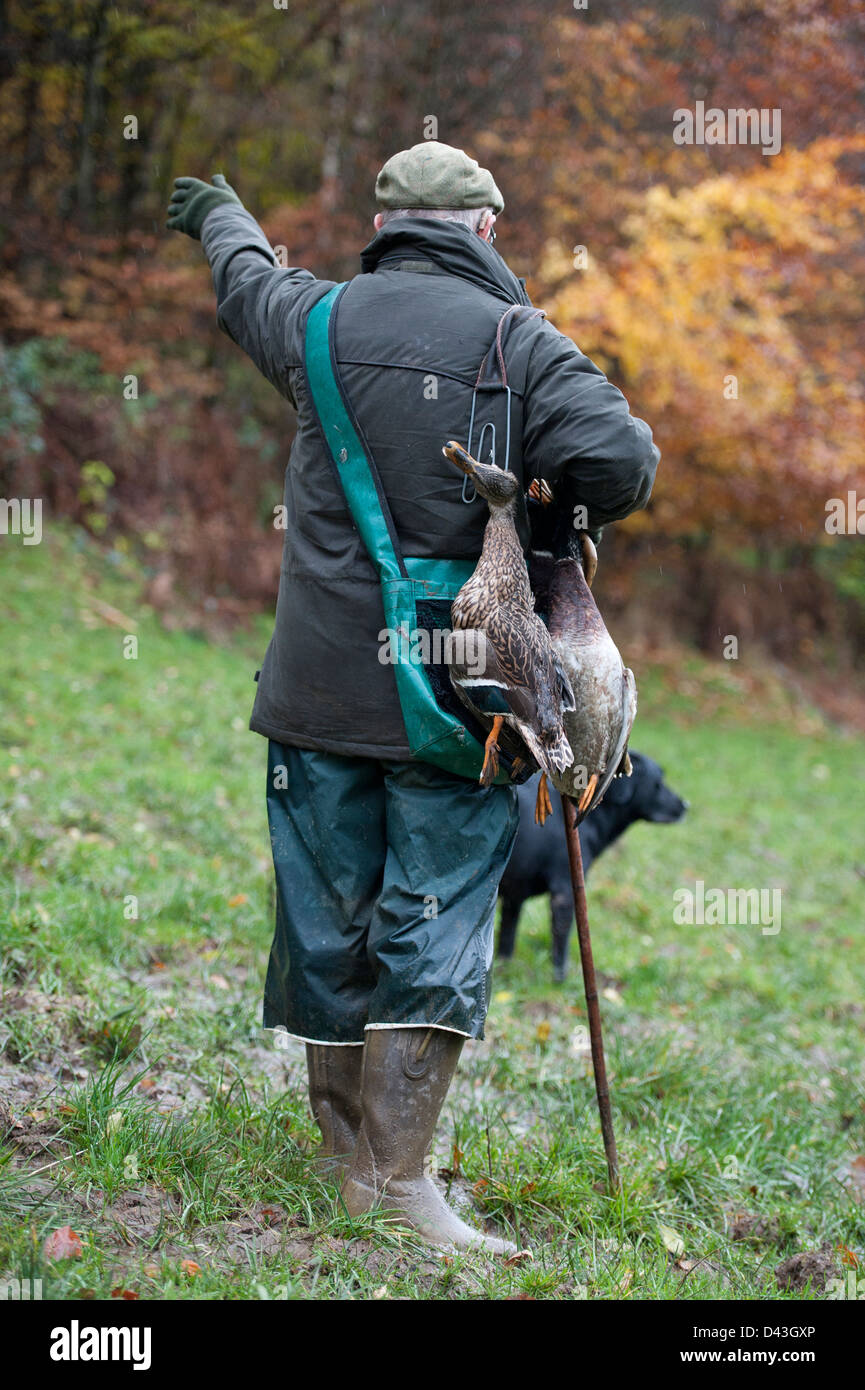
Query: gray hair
[469, 217]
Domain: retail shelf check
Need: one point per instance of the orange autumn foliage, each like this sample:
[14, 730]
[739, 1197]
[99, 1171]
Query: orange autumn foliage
[732, 316]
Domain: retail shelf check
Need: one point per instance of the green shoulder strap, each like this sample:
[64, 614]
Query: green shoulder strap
[362, 489]
[434, 734]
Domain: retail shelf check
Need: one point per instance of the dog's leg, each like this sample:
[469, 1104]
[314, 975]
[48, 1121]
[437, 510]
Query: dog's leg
[508, 932]
[562, 913]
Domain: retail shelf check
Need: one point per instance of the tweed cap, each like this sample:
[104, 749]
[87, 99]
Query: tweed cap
[433, 175]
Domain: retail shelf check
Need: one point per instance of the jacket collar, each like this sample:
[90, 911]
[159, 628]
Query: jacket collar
[451, 247]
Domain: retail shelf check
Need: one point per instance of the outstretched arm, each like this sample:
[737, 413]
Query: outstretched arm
[261, 305]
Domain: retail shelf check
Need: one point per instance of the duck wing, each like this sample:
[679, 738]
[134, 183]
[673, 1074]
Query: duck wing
[489, 684]
[521, 644]
[620, 729]
[493, 686]
[568, 698]
[527, 656]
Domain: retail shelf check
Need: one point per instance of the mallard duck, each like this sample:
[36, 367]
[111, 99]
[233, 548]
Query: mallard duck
[521, 685]
[599, 724]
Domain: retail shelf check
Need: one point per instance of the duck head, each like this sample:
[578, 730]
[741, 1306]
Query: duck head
[498, 488]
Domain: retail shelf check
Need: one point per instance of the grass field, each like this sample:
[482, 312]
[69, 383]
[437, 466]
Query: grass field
[143, 1107]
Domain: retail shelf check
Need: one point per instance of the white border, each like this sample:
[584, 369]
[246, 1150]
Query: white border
[443, 1028]
[379, 1027]
[316, 1042]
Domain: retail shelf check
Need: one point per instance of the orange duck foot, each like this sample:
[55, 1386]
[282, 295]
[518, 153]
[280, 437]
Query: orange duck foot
[543, 804]
[490, 769]
[586, 799]
[540, 491]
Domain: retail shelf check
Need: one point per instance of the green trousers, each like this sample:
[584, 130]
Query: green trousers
[386, 881]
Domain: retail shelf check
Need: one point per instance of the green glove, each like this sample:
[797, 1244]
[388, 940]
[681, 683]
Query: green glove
[193, 199]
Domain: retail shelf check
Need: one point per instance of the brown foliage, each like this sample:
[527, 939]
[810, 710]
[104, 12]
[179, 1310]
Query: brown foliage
[704, 261]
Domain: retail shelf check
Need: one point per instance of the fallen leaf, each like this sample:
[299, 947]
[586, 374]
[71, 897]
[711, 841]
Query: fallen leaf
[520, 1258]
[112, 615]
[542, 1032]
[191, 1268]
[63, 1244]
[672, 1240]
[219, 982]
[124, 1293]
[238, 900]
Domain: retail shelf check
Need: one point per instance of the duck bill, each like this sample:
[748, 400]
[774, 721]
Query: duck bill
[460, 457]
[589, 557]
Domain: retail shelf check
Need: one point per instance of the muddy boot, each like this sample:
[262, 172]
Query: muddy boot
[406, 1074]
[334, 1094]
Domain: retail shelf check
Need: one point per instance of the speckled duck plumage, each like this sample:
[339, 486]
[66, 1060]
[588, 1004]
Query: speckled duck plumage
[520, 678]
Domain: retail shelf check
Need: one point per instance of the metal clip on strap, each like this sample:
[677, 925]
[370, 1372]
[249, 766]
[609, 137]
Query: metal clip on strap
[493, 376]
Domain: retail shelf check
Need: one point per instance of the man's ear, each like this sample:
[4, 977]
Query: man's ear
[377, 221]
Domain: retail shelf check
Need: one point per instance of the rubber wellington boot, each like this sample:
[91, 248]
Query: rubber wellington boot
[406, 1074]
[334, 1094]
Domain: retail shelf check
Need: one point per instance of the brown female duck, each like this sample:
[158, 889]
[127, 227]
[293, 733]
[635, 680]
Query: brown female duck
[521, 683]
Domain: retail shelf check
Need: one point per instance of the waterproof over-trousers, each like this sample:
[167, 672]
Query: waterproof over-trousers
[387, 875]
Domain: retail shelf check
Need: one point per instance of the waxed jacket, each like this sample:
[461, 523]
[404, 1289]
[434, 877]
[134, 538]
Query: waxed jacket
[412, 331]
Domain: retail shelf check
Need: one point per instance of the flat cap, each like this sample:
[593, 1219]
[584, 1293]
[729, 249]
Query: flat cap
[432, 175]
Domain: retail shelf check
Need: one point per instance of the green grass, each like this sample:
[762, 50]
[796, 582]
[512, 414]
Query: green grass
[146, 1110]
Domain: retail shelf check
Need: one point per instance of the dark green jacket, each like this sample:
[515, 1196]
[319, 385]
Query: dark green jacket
[413, 328]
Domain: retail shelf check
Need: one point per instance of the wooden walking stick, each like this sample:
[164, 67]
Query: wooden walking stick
[578, 883]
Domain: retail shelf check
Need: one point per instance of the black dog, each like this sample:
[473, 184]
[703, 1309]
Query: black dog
[539, 863]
